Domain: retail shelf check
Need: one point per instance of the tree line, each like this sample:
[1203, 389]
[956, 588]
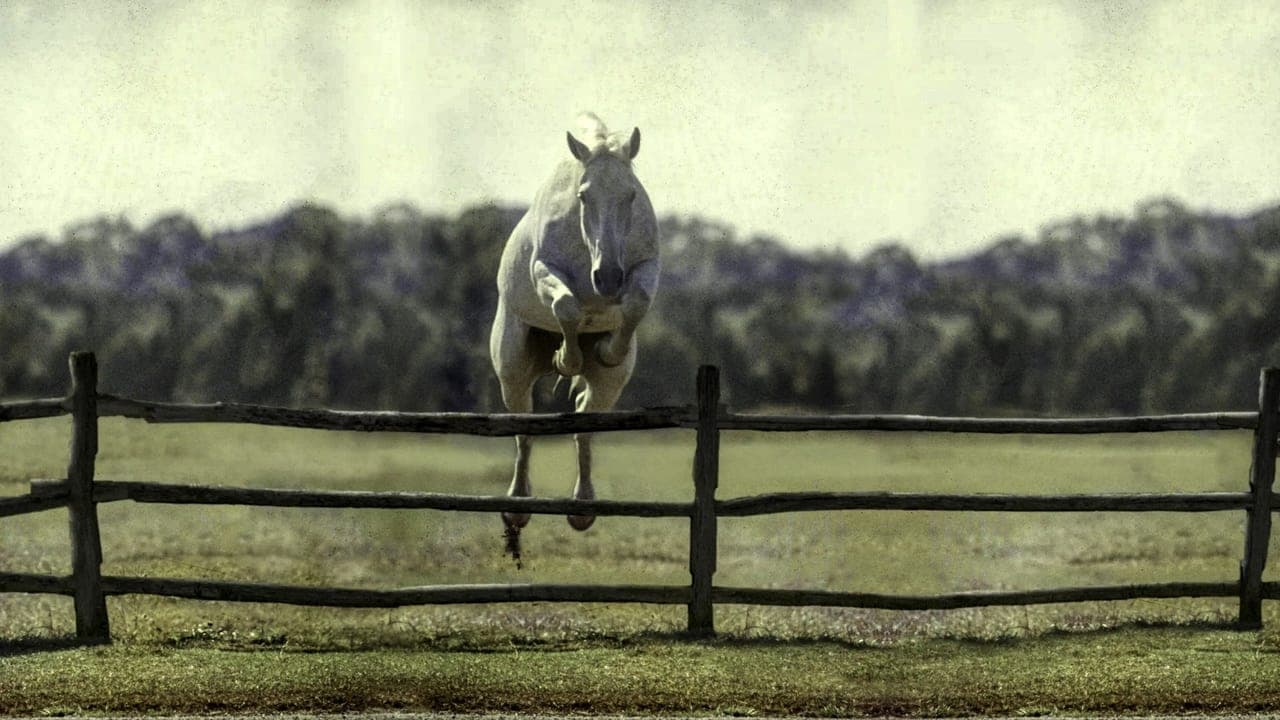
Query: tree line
[1165, 310]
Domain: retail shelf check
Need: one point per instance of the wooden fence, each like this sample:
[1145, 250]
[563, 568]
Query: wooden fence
[81, 494]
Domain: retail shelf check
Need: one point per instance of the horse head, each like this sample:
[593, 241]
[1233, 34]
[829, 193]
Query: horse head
[605, 196]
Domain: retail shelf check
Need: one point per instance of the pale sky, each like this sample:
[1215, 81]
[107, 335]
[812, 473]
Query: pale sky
[827, 124]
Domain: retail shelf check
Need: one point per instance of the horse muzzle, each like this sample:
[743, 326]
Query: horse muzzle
[607, 282]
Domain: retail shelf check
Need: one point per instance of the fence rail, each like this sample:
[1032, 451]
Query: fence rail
[352, 597]
[32, 409]
[1114, 502]
[81, 492]
[996, 426]
[494, 425]
[183, 494]
[952, 601]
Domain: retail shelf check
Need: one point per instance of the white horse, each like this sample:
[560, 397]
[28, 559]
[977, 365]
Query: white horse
[577, 276]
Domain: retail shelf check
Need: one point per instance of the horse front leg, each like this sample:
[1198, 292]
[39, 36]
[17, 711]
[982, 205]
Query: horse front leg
[568, 357]
[637, 296]
[553, 291]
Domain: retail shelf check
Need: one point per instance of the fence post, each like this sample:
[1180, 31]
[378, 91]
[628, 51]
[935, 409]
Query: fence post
[92, 624]
[1262, 472]
[702, 525]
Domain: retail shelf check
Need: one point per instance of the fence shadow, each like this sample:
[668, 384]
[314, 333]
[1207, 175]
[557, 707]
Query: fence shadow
[36, 645]
[445, 644]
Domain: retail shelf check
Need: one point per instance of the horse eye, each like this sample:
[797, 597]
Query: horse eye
[632, 197]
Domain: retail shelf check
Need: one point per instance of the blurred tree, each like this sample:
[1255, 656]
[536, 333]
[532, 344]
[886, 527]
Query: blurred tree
[1167, 310]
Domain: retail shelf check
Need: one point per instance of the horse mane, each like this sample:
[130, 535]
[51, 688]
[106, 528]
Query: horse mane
[595, 135]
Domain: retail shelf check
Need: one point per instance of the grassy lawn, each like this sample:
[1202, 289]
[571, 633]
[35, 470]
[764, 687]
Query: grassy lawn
[1159, 656]
[1148, 670]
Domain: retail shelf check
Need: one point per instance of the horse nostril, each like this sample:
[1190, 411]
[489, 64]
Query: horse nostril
[607, 281]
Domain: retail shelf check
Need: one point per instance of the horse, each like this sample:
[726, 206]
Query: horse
[577, 276]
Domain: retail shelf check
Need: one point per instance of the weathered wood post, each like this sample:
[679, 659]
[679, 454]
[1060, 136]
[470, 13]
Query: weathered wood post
[86, 544]
[702, 525]
[1262, 473]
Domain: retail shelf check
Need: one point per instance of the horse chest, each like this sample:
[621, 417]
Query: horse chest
[601, 319]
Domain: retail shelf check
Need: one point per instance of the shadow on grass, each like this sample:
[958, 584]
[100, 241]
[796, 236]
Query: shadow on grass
[207, 636]
[33, 645]
[1117, 628]
[573, 642]
[1147, 624]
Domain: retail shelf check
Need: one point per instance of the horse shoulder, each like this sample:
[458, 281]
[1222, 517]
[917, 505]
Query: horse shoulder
[513, 266]
[539, 236]
[555, 225]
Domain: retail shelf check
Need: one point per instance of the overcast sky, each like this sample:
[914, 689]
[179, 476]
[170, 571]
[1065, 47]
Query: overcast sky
[938, 124]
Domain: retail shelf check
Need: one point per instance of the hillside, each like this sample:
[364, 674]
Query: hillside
[1166, 310]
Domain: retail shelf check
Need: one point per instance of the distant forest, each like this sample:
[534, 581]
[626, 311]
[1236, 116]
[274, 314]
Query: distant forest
[1168, 310]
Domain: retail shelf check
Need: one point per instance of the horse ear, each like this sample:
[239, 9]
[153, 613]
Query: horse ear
[633, 145]
[578, 148]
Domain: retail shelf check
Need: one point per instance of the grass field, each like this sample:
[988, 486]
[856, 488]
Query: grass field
[293, 649]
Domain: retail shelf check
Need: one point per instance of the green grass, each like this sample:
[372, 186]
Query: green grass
[1153, 670]
[622, 658]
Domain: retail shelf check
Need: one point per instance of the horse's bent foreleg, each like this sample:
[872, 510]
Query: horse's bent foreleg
[568, 357]
[611, 350]
[553, 290]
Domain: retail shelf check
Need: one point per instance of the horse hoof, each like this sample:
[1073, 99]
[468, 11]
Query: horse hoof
[565, 366]
[515, 520]
[581, 522]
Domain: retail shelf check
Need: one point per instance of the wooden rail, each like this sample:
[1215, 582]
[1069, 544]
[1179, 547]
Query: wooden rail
[48, 494]
[1128, 502]
[952, 601]
[657, 594]
[494, 425]
[999, 426]
[32, 409]
[25, 504]
[179, 494]
[81, 492]
[351, 597]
